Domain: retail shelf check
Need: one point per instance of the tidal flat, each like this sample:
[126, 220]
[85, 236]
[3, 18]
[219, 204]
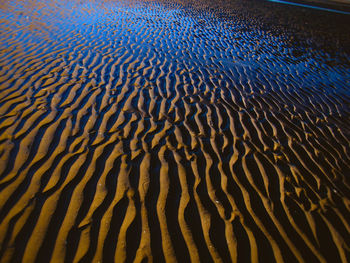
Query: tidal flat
[174, 131]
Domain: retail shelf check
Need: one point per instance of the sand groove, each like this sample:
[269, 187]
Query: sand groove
[169, 131]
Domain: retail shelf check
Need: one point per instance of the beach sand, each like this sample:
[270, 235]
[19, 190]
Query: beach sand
[173, 131]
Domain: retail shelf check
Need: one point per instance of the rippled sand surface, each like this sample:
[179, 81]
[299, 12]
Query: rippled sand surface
[140, 131]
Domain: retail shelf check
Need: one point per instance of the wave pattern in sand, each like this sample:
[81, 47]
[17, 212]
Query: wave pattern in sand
[159, 132]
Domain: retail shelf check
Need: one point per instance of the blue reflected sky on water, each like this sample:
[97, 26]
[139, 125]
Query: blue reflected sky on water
[186, 36]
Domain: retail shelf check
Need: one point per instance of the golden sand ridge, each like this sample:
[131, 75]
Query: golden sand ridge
[173, 131]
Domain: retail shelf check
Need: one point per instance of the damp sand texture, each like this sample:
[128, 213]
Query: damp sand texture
[173, 131]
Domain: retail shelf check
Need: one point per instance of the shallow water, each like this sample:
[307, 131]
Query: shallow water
[173, 131]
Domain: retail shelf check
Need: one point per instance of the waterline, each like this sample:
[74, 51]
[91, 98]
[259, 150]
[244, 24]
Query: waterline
[310, 6]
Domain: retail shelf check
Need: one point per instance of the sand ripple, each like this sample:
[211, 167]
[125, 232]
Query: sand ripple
[169, 132]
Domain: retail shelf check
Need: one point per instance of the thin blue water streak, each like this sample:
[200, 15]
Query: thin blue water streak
[310, 6]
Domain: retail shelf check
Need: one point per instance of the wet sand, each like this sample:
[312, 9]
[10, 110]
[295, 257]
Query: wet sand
[173, 131]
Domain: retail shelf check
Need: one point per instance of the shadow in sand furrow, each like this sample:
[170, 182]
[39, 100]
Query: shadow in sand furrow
[132, 239]
[287, 228]
[254, 223]
[111, 240]
[149, 187]
[94, 224]
[197, 213]
[28, 146]
[31, 222]
[171, 208]
[57, 221]
[27, 171]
